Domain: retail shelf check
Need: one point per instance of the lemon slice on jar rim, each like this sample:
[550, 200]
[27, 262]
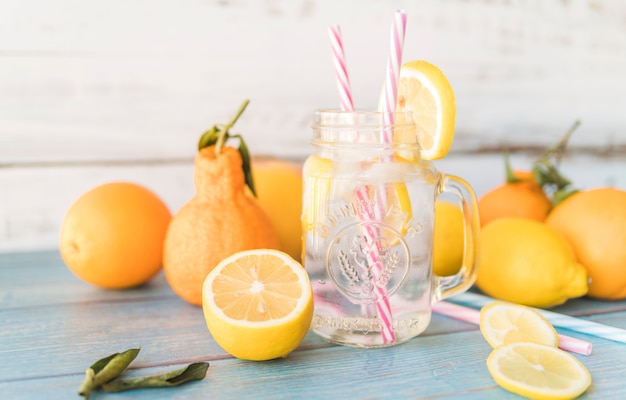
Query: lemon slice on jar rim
[425, 91]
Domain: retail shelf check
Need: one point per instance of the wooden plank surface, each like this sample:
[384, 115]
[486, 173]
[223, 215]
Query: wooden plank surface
[54, 326]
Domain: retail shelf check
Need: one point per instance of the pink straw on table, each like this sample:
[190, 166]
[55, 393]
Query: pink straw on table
[341, 71]
[472, 316]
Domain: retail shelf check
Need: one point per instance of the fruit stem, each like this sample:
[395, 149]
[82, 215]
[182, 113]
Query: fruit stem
[510, 175]
[547, 173]
[223, 136]
[559, 148]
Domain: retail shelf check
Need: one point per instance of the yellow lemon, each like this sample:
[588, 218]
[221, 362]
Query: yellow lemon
[318, 172]
[258, 304]
[425, 91]
[538, 371]
[278, 185]
[526, 262]
[503, 323]
[448, 240]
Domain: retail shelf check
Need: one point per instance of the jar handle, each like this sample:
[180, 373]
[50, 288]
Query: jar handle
[447, 286]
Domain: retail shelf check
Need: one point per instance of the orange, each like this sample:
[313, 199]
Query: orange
[278, 185]
[258, 304]
[112, 236]
[594, 222]
[521, 199]
[219, 221]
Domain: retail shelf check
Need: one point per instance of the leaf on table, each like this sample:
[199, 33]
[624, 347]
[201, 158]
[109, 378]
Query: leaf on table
[192, 372]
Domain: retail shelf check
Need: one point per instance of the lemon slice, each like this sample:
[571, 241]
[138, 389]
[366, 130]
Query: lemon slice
[398, 212]
[317, 172]
[538, 371]
[503, 323]
[258, 304]
[425, 91]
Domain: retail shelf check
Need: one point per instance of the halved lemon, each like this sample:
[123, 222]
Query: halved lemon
[258, 304]
[538, 371]
[425, 91]
[503, 323]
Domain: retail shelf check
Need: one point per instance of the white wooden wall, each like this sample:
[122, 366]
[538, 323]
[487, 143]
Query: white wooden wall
[99, 90]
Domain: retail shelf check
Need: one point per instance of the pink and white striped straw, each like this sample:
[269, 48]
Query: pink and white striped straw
[341, 71]
[394, 61]
[383, 308]
[472, 316]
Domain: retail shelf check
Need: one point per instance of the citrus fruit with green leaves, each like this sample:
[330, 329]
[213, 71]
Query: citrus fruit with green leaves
[221, 219]
[520, 196]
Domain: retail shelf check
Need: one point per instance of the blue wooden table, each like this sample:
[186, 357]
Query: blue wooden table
[53, 326]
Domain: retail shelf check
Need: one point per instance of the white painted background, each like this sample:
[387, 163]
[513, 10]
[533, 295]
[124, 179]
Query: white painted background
[99, 90]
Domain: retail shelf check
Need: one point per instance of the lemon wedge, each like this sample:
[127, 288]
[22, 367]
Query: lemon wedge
[538, 371]
[503, 323]
[425, 91]
[258, 304]
[317, 172]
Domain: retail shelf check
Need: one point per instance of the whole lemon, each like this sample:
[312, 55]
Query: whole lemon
[278, 185]
[112, 236]
[526, 262]
[448, 240]
[594, 222]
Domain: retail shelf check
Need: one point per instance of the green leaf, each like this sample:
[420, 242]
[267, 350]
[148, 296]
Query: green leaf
[209, 138]
[560, 195]
[223, 135]
[510, 175]
[194, 371]
[105, 370]
[246, 164]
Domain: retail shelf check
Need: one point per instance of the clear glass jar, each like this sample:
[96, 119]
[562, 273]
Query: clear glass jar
[368, 220]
